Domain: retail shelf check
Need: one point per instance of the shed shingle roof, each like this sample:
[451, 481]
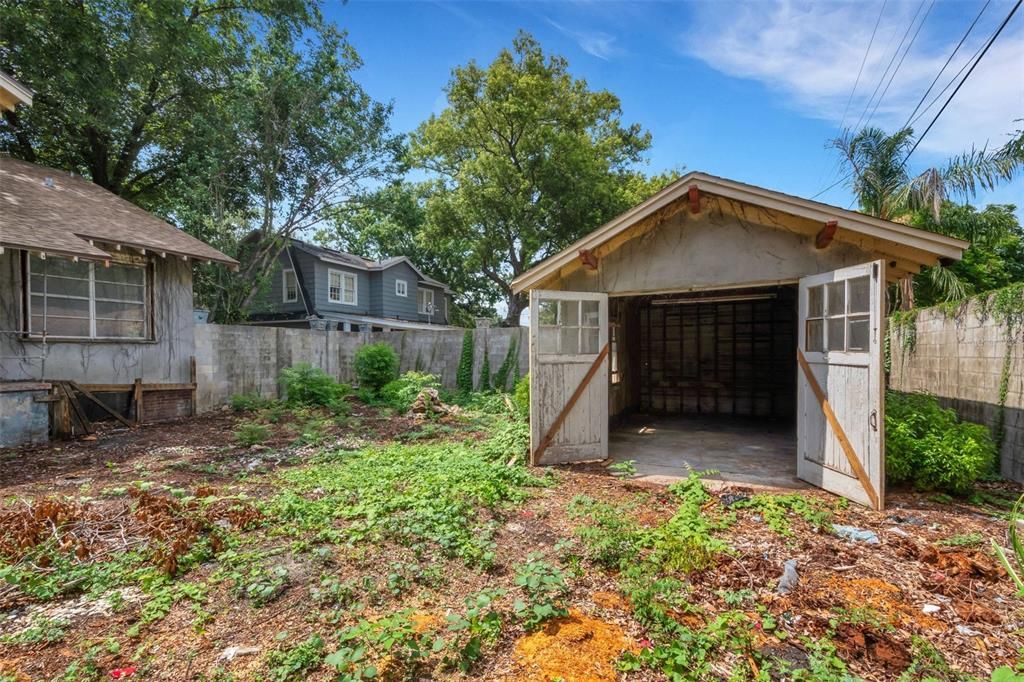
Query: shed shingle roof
[44, 209]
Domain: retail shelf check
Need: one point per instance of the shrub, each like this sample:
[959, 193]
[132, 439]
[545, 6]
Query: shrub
[247, 402]
[521, 395]
[929, 447]
[307, 385]
[401, 392]
[376, 364]
[251, 433]
[464, 376]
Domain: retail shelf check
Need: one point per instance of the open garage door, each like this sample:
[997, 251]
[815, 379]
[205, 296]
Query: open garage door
[840, 383]
[568, 376]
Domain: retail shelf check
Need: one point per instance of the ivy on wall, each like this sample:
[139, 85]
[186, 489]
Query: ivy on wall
[1004, 306]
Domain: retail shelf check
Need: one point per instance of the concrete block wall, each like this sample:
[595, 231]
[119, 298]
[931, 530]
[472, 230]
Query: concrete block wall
[234, 359]
[960, 359]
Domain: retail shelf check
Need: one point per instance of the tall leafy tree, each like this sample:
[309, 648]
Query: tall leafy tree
[239, 121]
[526, 159]
[994, 259]
[886, 188]
[119, 84]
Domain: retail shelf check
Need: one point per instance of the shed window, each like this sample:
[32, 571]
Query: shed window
[289, 286]
[87, 300]
[568, 327]
[342, 287]
[838, 316]
[426, 301]
[401, 288]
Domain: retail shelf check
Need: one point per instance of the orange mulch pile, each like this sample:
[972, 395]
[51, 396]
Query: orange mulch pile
[612, 601]
[577, 648]
[886, 599]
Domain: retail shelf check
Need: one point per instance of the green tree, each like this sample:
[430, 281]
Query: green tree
[301, 141]
[525, 160]
[240, 122]
[994, 259]
[119, 84]
[886, 188]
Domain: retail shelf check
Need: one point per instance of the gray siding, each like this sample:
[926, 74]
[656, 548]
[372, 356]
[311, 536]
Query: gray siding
[163, 360]
[271, 298]
[391, 304]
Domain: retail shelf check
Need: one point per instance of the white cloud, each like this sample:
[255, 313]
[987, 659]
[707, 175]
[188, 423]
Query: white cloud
[809, 53]
[595, 43]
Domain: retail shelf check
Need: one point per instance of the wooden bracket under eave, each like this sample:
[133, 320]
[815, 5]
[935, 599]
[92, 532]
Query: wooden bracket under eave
[694, 199]
[588, 258]
[826, 234]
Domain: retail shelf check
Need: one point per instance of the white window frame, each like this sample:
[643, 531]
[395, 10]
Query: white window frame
[91, 298]
[284, 286]
[401, 288]
[342, 288]
[426, 308]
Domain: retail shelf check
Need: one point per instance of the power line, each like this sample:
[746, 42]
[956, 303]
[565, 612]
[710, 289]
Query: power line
[888, 66]
[900, 64]
[948, 60]
[863, 62]
[964, 80]
[953, 80]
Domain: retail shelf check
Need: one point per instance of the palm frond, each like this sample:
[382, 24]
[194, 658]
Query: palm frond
[945, 283]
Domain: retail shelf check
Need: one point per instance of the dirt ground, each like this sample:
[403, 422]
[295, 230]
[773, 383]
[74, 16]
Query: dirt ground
[931, 578]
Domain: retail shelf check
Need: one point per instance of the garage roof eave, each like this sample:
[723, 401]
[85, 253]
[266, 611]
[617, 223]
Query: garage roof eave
[936, 246]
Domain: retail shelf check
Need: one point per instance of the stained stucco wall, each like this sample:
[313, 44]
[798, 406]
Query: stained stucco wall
[708, 251]
[241, 359]
[165, 360]
[960, 359]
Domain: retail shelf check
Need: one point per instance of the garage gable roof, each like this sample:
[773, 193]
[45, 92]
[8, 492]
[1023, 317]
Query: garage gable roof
[930, 246]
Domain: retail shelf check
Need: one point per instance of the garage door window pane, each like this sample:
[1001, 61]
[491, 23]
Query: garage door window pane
[589, 340]
[547, 312]
[815, 335]
[859, 298]
[570, 314]
[858, 333]
[837, 333]
[815, 302]
[835, 294]
[591, 314]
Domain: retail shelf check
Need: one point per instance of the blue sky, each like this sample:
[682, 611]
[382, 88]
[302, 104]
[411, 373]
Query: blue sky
[749, 91]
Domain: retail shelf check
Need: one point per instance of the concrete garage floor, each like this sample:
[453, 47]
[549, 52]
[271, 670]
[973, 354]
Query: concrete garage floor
[665, 449]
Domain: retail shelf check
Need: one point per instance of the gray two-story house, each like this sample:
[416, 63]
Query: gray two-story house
[330, 289]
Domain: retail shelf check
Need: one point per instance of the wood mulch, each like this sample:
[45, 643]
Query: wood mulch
[879, 601]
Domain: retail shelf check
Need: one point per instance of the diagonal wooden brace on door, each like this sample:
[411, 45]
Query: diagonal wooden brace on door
[560, 419]
[837, 428]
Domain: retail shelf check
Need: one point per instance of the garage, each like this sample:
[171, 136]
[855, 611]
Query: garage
[724, 326]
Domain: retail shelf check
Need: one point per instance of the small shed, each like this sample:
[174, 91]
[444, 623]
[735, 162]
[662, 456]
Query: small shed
[96, 314]
[723, 325]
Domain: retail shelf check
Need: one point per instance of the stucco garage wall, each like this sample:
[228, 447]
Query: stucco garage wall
[243, 359]
[960, 359]
[710, 251]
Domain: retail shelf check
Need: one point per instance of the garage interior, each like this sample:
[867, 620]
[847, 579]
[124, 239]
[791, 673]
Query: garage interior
[706, 380]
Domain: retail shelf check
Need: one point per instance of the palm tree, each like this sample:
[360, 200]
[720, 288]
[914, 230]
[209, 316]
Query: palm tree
[886, 189]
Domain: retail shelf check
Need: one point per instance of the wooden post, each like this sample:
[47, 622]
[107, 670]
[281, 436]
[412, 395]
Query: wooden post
[137, 400]
[60, 416]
